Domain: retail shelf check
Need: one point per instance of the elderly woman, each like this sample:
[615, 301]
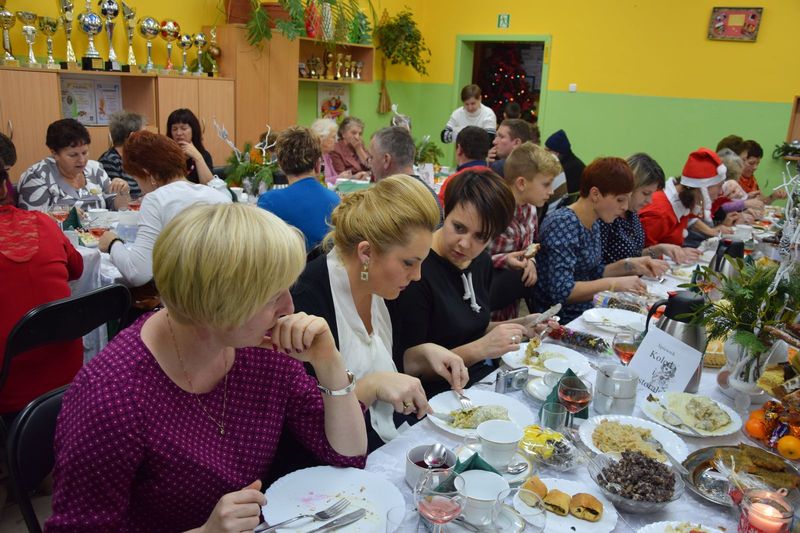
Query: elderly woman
[570, 263]
[184, 128]
[171, 426]
[120, 126]
[68, 175]
[350, 153]
[326, 129]
[36, 262]
[380, 237]
[449, 306]
[157, 164]
[624, 237]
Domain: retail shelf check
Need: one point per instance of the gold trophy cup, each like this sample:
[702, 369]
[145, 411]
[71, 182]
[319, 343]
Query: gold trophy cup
[199, 43]
[149, 29]
[110, 9]
[49, 26]
[7, 21]
[29, 30]
[184, 43]
[66, 8]
[170, 31]
[129, 14]
[90, 23]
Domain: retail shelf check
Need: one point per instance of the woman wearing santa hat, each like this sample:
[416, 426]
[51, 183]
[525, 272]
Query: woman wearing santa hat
[666, 219]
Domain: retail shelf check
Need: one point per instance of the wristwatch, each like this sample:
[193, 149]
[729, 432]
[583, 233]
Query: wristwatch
[341, 392]
[627, 264]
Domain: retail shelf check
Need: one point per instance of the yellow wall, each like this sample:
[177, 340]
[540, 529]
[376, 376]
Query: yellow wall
[192, 15]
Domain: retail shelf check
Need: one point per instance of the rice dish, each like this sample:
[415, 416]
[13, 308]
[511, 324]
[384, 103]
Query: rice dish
[613, 437]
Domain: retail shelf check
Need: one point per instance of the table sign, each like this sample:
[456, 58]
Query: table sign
[663, 363]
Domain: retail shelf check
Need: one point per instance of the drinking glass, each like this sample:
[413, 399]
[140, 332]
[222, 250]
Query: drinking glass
[59, 211]
[437, 498]
[554, 416]
[575, 394]
[401, 519]
[625, 344]
[516, 509]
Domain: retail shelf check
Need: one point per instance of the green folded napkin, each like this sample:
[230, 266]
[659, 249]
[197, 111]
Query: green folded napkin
[351, 186]
[553, 397]
[476, 462]
[73, 221]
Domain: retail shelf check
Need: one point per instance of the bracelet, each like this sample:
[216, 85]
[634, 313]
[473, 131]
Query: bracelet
[115, 240]
[341, 392]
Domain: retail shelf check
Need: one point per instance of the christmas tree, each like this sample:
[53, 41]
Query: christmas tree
[503, 79]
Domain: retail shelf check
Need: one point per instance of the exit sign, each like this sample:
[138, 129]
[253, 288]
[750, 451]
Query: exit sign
[503, 20]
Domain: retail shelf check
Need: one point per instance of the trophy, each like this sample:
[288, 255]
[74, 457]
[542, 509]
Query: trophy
[110, 9]
[29, 30]
[200, 44]
[89, 22]
[170, 30]
[359, 67]
[338, 66]
[184, 43]
[7, 21]
[348, 66]
[149, 29]
[129, 14]
[48, 26]
[66, 8]
[329, 66]
[213, 51]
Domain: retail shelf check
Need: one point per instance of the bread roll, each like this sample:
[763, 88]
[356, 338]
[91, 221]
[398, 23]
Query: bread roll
[531, 250]
[535, 485]
[557, 502]
[586, 507]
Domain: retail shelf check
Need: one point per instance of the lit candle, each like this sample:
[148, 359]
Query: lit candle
[766, 518]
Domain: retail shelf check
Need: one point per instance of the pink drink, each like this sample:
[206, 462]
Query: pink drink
[439, 509]
[574, 399]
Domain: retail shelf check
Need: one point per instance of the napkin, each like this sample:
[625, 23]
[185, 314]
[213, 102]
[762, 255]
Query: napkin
[351, 186]
[476, 462]
[73, 221]
[553, 397]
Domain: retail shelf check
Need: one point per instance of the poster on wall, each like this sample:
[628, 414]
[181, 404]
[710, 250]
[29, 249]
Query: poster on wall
[734, 23]
[333, 101]
[77, 100]
[108, 98]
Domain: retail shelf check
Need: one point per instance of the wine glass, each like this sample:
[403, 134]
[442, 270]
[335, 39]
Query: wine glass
[516, 509]
[625, 344]
[575, 393]
[437, 498]
[59, 211]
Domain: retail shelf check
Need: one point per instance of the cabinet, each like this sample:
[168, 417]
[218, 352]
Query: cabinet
[358, 53]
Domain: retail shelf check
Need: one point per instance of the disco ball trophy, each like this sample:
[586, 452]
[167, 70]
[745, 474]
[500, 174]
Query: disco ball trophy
[199, 43]
[66, 8]
[7, 21]
[129, 14]
[149, 29]
[29, 30]
[184, 43]
[48, 26]
[170, 31]
[90, 23]
[110, 9]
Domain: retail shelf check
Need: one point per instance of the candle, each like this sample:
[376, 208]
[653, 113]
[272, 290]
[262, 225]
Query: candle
[766, 518]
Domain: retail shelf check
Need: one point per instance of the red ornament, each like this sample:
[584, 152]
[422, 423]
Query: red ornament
[313, 21]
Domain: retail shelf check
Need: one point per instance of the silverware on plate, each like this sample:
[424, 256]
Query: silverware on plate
[345, 520]
[325, 514]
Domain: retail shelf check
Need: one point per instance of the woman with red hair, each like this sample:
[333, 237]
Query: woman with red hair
[570, 262]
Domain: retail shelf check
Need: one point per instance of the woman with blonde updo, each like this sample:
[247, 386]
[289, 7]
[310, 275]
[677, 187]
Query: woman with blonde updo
[379, 239]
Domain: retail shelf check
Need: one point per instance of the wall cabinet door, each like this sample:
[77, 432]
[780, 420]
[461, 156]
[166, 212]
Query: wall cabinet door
[216, 99]
[175, 93]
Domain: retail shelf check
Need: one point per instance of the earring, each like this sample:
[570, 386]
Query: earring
[365, 271]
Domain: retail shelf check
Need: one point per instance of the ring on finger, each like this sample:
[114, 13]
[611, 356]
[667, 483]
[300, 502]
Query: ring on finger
[514, 339]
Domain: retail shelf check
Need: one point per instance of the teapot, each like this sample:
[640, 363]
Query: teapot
[676, 322]
[730, 248]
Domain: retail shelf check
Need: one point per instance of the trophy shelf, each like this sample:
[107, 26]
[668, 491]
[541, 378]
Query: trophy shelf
[363, 53]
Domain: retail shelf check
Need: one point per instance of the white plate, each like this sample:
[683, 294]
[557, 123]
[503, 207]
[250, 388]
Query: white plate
[447, 401]
[538, 389]
[669, 440]
[612, 320]
[313, 489]
[464, 453]
[659, 527]
[562, 524]
[577, 361]
[681, 272]
[655, 413]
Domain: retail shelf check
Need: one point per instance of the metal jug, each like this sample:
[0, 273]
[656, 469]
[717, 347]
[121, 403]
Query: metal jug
[675, 323]
[727, 248]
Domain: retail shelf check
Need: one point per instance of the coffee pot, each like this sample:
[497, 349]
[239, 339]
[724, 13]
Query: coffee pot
[676, 322]
[727, 248]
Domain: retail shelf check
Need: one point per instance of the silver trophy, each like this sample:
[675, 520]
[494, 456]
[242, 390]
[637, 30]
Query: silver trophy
[29, 30]
[184, 43]
[199, 43]
[170, 31]
[7, 21]
[110, 9]
[129, 14]
[66, 8]
[49, 26]
[90, 23]
[149, 29]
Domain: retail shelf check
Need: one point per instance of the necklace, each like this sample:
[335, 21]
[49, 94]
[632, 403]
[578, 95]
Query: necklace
[221, 423]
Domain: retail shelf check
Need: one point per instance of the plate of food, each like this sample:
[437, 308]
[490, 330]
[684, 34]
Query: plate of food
[613, 320]
[87, 239]
[534, 355]
[311, 490]
[681, 272]
[706, 416]
[572, 506]
[488, 405]
[613, 434]
[678, 527]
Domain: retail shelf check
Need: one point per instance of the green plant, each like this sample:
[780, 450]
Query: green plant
[251, 166]
[428, 152]
[786, 149]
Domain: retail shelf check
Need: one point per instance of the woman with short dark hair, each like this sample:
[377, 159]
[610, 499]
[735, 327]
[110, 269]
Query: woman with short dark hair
[68, 175]
[184, 128]
[120, 126]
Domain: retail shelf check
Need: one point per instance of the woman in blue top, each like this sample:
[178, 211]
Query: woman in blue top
[570, 262]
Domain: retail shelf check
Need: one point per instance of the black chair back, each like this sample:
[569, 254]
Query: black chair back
[31, 455]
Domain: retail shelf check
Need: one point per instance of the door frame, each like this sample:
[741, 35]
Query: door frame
[465, 52]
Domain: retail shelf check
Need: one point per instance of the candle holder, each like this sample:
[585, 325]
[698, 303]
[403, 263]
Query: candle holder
[764, 511]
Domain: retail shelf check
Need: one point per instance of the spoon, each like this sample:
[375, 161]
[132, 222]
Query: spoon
[517, 468]
[435, 456]
[672, 418]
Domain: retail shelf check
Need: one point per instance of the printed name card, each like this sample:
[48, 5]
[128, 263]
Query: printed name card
[663, 363]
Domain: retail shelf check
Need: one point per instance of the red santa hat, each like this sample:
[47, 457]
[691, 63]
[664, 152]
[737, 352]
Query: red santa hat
[703, 169]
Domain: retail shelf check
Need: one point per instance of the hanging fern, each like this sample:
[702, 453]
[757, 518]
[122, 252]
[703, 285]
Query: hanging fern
[401, 41]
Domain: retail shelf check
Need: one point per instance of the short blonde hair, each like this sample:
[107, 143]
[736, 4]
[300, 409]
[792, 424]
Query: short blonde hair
[217, 265]
[383, 215]
[528, 160]
[324, 128]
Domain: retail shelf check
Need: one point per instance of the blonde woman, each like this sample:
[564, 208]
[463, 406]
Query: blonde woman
[327, 129]
[171, 426]
[380, 237]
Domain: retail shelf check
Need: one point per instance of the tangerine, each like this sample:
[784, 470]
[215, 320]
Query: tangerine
[789, 447]
[756, 428]
[758, 414]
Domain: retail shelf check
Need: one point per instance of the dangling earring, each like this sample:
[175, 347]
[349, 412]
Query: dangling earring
[365, 271]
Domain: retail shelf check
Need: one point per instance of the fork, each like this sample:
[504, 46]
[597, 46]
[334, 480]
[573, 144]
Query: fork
[325, 514]
[465, 402]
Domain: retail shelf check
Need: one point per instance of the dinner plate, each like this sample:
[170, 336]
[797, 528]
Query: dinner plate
[464, 453]
[537, 389]
[565, 524]
[681, 272]
[669, 440]
[446, 402]
[660, 527]
[612, 320]
[311, 490]
[655, 413]
[577, 361]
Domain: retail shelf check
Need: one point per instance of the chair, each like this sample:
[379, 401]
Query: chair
[30, 450]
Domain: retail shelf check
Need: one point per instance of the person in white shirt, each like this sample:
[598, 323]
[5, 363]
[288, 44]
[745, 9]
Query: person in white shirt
[158, 164]
[472, 113]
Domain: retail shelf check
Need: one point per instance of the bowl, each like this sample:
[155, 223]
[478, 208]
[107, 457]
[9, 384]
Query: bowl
[550, 450]
[415, 463]
[629, 505]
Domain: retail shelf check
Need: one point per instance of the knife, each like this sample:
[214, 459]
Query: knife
[345, 520]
